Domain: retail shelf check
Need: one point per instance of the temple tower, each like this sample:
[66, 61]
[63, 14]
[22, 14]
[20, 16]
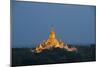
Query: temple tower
[52, 42]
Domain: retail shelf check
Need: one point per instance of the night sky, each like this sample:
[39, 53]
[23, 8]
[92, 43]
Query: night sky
[31, 23]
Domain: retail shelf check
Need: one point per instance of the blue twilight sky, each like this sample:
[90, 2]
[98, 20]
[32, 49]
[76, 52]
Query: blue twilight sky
[31, 23]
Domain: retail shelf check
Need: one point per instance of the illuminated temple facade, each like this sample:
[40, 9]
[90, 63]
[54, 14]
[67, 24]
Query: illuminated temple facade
[52, 42]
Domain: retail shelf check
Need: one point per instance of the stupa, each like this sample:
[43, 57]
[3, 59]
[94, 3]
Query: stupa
[52, 42]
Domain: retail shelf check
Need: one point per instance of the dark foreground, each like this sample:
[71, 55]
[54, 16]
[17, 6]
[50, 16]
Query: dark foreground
[24, 56]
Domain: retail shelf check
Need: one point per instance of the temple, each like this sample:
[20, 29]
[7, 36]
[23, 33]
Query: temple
[52, 42]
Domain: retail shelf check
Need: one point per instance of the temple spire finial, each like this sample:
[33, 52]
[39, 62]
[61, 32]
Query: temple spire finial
[52, 35]
[52, 28]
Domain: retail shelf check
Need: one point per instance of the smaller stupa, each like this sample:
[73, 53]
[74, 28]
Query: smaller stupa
[52, 42]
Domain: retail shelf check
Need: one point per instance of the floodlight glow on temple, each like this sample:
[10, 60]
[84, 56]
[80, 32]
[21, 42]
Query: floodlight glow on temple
[53, 42]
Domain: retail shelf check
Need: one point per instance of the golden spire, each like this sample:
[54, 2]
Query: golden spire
[52, 33]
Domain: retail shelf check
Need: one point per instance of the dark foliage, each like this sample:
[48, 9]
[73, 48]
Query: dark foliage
[24, 56]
